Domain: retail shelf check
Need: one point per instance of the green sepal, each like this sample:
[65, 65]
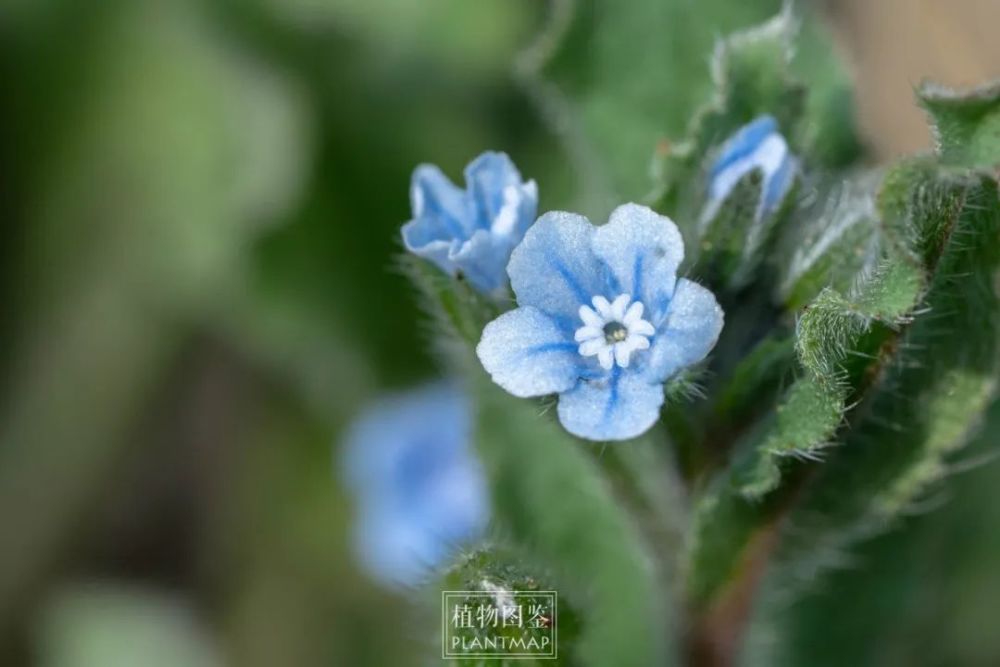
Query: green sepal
[454, 305]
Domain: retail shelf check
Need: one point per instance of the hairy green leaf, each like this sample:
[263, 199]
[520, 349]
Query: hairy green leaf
[925, 407]
[884, 608]
[728, 242]
[837, 342]
[832, 246]
[855, 348]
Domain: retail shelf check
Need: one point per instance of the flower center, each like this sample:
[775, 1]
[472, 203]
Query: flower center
[613, 330]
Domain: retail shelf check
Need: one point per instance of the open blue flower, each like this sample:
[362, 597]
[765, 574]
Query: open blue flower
[471, 231]
[603, 320]
[757, 145]
[419, 488]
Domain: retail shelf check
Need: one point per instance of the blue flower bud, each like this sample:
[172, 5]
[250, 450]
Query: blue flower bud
[419, 488]
[757, 145]
[471, 231]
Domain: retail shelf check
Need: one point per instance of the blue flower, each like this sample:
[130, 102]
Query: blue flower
[419, 488]
[757, 145]
[603, 320]
[471, 231]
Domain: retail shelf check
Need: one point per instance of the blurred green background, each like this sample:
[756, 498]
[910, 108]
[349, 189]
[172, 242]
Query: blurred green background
[197, 269]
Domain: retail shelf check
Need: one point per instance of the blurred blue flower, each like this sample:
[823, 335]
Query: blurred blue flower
[419, 488]
[471, 231]
[603, 320]
[757, 145]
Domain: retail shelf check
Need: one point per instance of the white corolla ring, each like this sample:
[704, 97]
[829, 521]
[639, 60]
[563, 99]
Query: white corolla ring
[613, 330]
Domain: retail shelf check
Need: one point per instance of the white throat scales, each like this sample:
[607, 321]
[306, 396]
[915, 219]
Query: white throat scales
[613, 330]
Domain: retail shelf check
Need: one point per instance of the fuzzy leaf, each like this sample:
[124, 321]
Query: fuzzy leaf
[723, 241]
[831, 342]
[886, 601]
[924, 409]
[804, 422]
[551, 498]
[849, 345]
[834, 245]
[842, 342]
[966, 124]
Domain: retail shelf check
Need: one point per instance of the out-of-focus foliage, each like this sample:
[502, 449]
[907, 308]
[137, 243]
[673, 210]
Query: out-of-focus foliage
[200, 287]
[102, 626]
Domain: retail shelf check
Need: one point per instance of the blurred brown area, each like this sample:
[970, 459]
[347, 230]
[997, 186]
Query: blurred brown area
[892, 45]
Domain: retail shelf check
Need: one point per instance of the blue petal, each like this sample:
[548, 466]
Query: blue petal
[482, 260]
[440, 217]
[690, 331]
[554, 269]
[643, 250]
[487, 178]
[757, 146]
[396, 552]
[527, 209]
[746, 140]
[419, 238]
[400, 543]
[454, 504]
[475, 230]
[442, 206]
[444, 496]
[778, 184]
[434, 421]
[529, 354]
[622, 406]
[403, 548]
[419, 488]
